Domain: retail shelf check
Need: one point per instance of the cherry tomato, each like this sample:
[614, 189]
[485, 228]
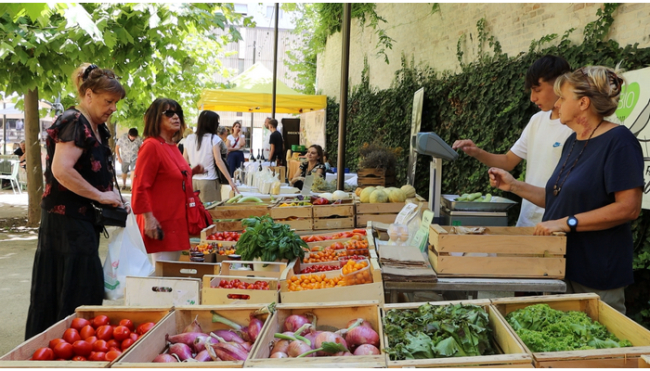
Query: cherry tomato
[104, 332]
[79, 358]
[86, 332]
[79, 323]
[43, 354]
[112, 355]
[120, 333]
[100, 320]
[134, 336]
[64, 350]
[126, 343]
[71, 335]
[100, 346]
[97, 356]
[143, 328]
[128, 323]
[82, 348]
[54, 342]
[112, 344]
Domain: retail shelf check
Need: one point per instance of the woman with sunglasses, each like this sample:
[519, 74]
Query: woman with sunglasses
[596, 188]
[67, 270]
[161, 171]
[236, 141]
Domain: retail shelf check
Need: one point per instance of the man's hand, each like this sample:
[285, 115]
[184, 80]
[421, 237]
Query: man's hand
[548, 227]
[198, 169]
[501, 179]
[467, 146]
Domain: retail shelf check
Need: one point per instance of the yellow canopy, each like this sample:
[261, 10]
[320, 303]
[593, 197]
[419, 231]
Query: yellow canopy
[253, 92]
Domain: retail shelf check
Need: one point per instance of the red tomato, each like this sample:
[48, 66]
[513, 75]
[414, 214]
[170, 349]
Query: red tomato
[91, 340]
[82, 348]
[229, 239]
[86, 332]
[126, 343]
[112, 344]
[54, 342]
[128, 323]
[134, 336]
[100, 346]
[79, 358]
[104, 332]
[97, 356]
[100, 320]
[43, 354]
[71, 335]
[143, 328]
[120, 333]
[212, 237]
[64, 350]
[111, 355]
[79, 323]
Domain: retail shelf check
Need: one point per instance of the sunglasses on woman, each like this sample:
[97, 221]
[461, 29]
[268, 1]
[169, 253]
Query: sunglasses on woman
[170, 113]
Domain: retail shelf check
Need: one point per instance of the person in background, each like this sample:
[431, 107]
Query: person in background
[126, 150]
[223, 133]
[540, 144]
[204, 148]
[314, 165]
[181, 141]
[67, 270]
[595, 190]
[276, 153]
[20, 152]
[236, 141]
[159, 182]
[326, 161]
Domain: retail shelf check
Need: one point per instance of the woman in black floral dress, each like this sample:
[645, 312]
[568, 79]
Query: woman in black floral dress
[67, 270]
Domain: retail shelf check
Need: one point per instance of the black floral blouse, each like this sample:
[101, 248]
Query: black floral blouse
[95, 165]
[304, 165]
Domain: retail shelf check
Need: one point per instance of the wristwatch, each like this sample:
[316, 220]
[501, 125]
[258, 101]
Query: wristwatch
[572, 222]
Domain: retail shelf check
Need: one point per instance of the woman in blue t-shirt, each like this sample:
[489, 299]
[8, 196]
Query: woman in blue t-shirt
[596, 188]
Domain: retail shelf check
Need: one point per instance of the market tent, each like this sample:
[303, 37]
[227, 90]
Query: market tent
[253, 92]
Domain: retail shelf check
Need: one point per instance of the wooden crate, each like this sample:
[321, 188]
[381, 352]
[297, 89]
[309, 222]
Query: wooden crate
[166, 268]
[335, 314]
[235, 213]
[512, 354]
[154, 344]
[370, 291]
[617, 323]
[644, 361]
[376, 177]
[383, 212]
[162, 292]
[519, 254]
[212, 229]
[20, 355]
[218, 296]
[260, 269]
[208, 258]
[333, 223]
[306, 224]
[344, 209]
[278, 212]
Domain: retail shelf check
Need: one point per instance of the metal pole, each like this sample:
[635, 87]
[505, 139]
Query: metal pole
[343, 108]
[4, 130]
[275, 57]
[252, 112]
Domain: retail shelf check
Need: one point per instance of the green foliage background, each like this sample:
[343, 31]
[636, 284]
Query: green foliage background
[486, 102]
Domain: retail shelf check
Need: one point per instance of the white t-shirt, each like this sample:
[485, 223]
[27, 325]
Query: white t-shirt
[540, 144]
[204, 155]
[242, 139]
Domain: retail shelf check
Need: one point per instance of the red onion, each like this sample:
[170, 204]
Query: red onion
[296, 321]
[364, 323]
[165, 358]
[201, 341]
[254, 328]
[229, 352]
[329, 337]
[229, 335]
[194, 326]
[280, 346]
[203, 356]
[183, 351]
[297, 348]
[342, 354]
[362, 335]
[186, 338]
[366, 350]
[279, 355]
[312, 338]
[247, 346]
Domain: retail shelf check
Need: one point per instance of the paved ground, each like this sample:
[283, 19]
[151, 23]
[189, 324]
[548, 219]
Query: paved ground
[17, 248]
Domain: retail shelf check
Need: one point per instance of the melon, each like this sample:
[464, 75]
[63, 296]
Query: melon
[365, 194]
[397, 195]
[409, 191]
[378, 196]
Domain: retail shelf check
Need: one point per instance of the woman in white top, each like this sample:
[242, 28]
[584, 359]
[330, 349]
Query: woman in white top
[236, 141]
[203, 148]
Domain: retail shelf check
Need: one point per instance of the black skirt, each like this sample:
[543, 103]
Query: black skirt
[67, 271]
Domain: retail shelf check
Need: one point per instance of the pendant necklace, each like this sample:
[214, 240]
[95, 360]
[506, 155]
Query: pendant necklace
[556, 188]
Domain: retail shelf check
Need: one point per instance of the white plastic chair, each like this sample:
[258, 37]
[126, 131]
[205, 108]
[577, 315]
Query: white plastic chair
[13, 176]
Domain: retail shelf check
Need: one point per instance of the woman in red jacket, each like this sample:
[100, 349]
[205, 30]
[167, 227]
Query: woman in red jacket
[158, 181]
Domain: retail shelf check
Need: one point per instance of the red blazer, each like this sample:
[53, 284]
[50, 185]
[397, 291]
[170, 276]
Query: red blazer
[158, 187]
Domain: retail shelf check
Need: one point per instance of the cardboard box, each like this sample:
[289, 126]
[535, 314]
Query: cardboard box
[166, 268]
[260, 269]
[162, 291]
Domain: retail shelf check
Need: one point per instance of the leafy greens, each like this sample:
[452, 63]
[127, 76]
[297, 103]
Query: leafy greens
[544, 329]
[269, 241]
[437, 331]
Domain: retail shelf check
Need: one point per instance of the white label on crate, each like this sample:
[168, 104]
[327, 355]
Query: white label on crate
[406, 214]
[422, 235]
[306, 186]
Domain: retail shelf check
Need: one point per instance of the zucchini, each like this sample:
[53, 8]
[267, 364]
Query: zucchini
[474, 196]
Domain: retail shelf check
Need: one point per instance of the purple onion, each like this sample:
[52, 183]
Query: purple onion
[366, 350]
[203, 356]
[194, 326]
[186, 338]
[165, 358]
[294, 322]
[229, 335]
[254, 328]
[201, 341]
[183, 351]
[229, 352]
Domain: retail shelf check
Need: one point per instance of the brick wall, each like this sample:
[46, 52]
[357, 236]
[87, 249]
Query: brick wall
[431, 39]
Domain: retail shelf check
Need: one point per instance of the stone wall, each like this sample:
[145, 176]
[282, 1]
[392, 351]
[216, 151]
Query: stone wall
[431, 39]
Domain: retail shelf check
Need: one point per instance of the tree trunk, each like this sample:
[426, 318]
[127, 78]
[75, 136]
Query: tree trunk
[33, 158]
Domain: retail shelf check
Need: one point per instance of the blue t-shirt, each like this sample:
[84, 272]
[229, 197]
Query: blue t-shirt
[612, 162]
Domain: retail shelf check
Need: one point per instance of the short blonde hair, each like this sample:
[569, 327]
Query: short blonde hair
[602, 85]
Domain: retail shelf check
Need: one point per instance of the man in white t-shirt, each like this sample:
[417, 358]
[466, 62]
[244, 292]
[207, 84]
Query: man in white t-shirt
[541, 142]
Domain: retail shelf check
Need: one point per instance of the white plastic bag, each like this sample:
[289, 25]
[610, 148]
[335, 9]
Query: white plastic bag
[127, 256]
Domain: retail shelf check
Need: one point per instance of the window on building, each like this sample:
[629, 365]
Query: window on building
[269, 11]
[241, 8]
[240, 114]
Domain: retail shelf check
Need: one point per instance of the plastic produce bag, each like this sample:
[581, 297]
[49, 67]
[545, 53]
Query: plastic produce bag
[127, 256]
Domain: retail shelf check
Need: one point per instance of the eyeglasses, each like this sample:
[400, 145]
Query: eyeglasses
[170, 113]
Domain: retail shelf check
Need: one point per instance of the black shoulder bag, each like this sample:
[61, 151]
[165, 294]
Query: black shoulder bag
[106, 215]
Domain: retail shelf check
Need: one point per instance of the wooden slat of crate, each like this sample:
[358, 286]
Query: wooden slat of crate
[618, 324]
[229, 226]
[278, 212]
[185, 269]
[324, 211]
[519, 253]
[161, 291]
[334, 223]
[260, 269]
[363, 219]
[20, 355]
[644, 361]
[387, 207]
[239, 211]
[369, 291]
[211, 294]
[299, 225]
[142, 355]
[335, 314]
[514, 355]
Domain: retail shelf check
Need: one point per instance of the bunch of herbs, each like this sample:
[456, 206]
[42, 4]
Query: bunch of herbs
[269, 241]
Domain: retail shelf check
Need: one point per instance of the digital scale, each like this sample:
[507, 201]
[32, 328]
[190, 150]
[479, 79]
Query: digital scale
[447, 211]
